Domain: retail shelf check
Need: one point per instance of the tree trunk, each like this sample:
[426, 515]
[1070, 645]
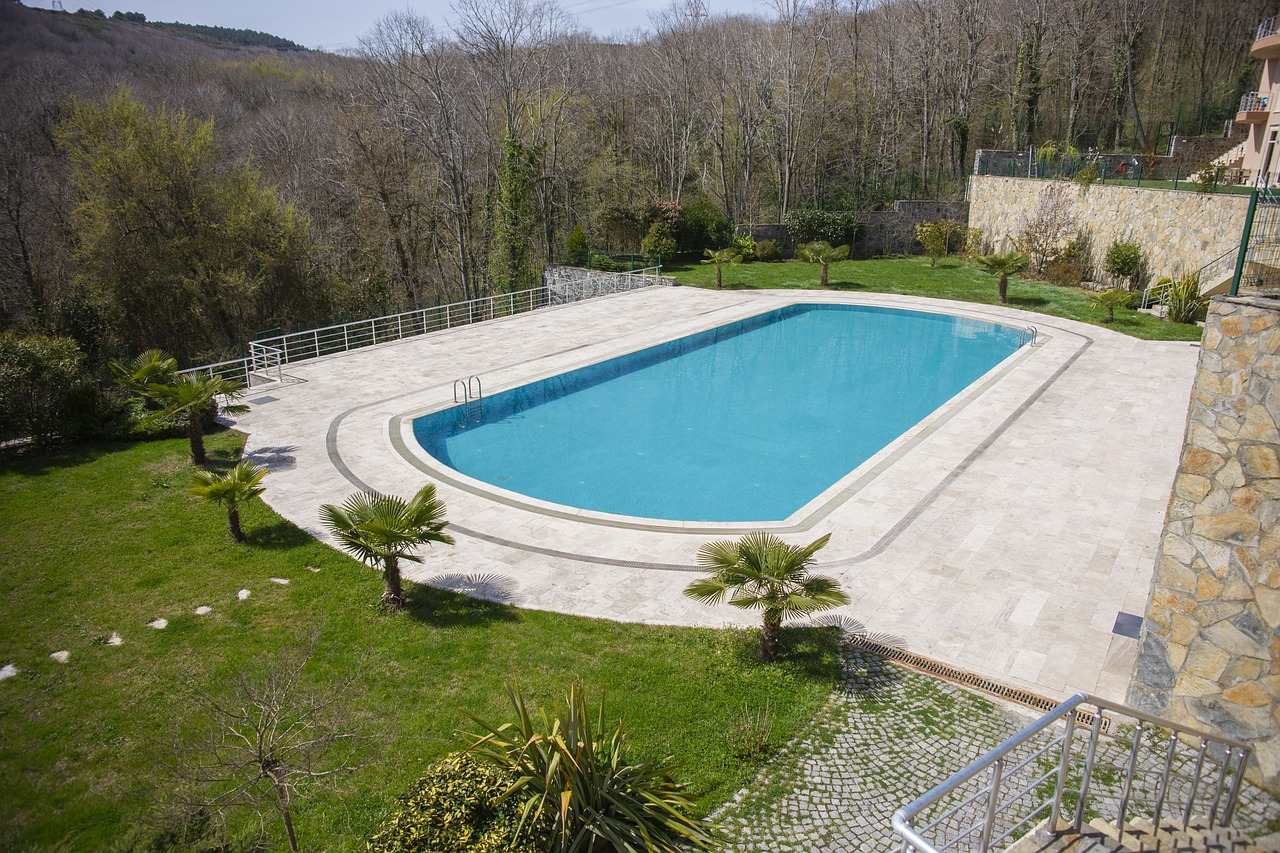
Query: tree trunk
[233, 520]
[825, 273]
[195, 432]
[393, 591]
[719, 280]
[771, 636]
[282, 803]
[1004, 289]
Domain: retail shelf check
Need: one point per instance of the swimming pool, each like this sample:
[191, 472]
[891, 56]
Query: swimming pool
[746, 422]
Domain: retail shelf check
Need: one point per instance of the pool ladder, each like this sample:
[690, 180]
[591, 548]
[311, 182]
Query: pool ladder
[469, 392]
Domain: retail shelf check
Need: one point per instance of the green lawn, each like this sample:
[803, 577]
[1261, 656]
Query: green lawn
[105, 538]
[950, 279]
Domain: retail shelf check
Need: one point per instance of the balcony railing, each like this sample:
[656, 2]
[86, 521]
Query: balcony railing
[1254, 102]
[1268, 28]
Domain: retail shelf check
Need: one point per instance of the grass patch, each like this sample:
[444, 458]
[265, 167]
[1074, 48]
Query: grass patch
[105, 538]
[952, 278]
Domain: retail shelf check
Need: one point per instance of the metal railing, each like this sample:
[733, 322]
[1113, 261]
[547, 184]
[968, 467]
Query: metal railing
[1211, 274]
[1268, 28]
[1064, 767]
[1253, 102]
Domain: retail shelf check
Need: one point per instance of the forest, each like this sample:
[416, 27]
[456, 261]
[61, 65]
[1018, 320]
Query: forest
[164, 191]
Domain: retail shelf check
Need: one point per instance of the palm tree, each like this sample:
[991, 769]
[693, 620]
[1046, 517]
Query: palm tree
[384, 529]
[761, 572]
[231, 489]
[720, 258]
[822, 252]
[1111, 300]
[1010, 263]
[153, 366]
[193, 395]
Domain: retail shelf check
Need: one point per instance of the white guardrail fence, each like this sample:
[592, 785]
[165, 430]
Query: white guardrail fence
[267, 356]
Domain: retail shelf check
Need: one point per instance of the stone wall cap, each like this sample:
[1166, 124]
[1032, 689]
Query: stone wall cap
[1268, 300]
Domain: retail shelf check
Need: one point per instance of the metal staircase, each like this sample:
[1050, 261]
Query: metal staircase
[1090, 775]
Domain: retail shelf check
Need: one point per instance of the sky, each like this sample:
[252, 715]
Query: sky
[337, 25]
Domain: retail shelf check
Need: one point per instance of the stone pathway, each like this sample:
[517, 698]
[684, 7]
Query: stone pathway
[888, 735]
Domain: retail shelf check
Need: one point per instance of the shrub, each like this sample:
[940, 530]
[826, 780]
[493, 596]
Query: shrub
[975, 242]
[576, 251]
[41, 387]
[1208, 177]
[1051, 229]
[751, 737]
[746, 246]
[604, 263]
[659, 243]
[1184, 299]
[933, 236]
[1089, 174]
[456, 807]
[578, 772]
[1064, 272]
[807, 226]
[767, 250]
[1124, 259]
[703, 226]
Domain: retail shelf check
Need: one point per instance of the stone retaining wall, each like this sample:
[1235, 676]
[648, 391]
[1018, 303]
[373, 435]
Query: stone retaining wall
[881, 232]
[1210, 648]
[1179, 231]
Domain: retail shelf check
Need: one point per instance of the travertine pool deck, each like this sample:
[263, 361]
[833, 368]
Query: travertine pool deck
[1003, 535]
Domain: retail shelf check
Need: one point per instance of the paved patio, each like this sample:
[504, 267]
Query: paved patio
[1003, 535]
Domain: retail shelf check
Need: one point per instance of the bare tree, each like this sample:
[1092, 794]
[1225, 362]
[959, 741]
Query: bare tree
[263, 740]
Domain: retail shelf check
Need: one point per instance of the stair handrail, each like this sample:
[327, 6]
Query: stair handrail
[1070, 711]
[1156, 292]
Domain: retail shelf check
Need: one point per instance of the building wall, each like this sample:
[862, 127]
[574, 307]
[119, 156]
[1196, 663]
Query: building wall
[1179, 231]
[1210, 648]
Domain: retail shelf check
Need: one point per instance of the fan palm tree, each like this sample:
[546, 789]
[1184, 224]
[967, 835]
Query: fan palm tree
[151, 367]
[822, 252]
[761, 572]
[192, 396]
[720, 258]
[231, 489]
[383, 529]
[1111, 300]
[1010, 263]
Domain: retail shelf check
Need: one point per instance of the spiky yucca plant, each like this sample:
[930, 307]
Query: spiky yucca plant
[579, 772]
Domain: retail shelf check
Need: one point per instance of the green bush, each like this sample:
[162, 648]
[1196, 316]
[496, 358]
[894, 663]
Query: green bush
[659, 243]
[1124, 259]
[576, 252]
[456, 807]
[43, 392]
[746, 246]
[1089, 175]
[933, 236]
[604, 263]
[807, 226]
[1207, 178]
[703, 226]
[767, 250]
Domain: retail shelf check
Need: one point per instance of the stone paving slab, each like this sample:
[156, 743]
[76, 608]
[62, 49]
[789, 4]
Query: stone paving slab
[1003, 535]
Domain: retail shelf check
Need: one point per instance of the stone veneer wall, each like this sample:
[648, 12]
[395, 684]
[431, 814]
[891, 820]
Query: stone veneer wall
[1210, 649]
[1179, 231]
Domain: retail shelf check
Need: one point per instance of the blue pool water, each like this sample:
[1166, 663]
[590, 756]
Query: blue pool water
[746, 422]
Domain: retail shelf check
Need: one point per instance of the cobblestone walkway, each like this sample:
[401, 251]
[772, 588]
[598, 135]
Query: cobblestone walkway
[887, 736]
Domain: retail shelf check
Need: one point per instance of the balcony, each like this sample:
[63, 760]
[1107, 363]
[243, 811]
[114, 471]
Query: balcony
[1266, 44]
[1254, 108]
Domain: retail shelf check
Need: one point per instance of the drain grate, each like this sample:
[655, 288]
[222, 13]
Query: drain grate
[972, 680]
